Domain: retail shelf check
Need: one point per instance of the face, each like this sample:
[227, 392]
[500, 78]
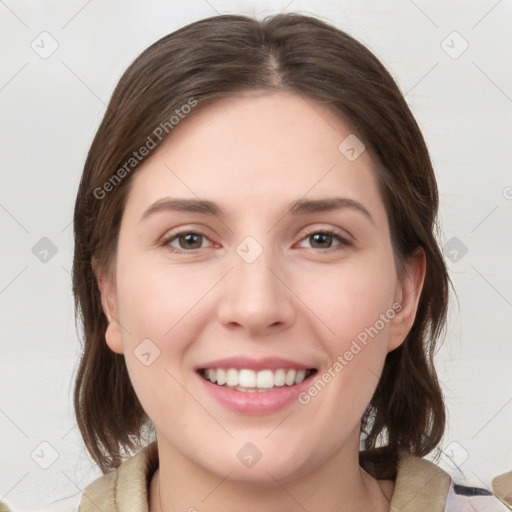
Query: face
[257, 292]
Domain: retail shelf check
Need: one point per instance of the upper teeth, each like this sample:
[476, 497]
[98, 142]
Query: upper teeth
[264, 379]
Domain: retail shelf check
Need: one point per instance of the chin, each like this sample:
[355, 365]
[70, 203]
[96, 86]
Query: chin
[248, 466]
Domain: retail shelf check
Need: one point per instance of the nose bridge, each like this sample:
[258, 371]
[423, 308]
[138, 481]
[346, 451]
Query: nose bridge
[254, 296]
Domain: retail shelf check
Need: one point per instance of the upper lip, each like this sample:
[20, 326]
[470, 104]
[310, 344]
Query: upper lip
[241, 362]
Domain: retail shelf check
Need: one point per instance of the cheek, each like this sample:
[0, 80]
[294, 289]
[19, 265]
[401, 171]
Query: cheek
[355, 303]
[154, 298]
[155, 305]
[351, 298]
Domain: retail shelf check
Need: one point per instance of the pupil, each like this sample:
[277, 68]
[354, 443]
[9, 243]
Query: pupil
[323, 237]
[189, 239]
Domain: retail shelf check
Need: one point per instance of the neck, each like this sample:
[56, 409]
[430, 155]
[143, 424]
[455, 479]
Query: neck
[339, 485]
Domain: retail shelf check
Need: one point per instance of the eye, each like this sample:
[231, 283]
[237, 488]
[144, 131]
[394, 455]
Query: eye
[322, 239]
[186, 240]
[189, 241]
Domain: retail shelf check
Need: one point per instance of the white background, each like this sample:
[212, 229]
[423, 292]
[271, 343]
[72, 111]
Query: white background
[52, 107]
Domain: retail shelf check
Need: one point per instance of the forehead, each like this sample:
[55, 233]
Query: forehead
[257, 125]
[257, 148]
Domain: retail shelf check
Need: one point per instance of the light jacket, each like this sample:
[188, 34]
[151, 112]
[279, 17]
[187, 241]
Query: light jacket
[420, 486]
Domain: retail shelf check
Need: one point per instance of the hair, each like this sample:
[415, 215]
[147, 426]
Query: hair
[220, 57]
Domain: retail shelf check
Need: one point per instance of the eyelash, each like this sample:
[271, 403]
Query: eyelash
[344, 242]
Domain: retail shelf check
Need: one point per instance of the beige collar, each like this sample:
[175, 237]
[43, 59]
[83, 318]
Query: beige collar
[126, 488]
[502, 486]
[421, 486]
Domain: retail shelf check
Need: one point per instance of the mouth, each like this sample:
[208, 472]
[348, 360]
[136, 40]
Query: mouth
[251, 381]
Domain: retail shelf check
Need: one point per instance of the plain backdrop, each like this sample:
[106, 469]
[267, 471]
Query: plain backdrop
[60, 62]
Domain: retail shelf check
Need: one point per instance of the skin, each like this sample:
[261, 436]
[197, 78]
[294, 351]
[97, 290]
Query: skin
[252, 155]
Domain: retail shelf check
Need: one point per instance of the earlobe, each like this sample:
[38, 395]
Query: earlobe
[106, 285]
[408, 295]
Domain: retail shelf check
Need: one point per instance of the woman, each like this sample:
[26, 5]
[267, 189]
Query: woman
[259, 282]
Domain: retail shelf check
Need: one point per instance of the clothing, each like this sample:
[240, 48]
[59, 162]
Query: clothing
[420, 486]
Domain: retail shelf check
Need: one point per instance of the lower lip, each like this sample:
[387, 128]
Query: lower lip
[255, 403]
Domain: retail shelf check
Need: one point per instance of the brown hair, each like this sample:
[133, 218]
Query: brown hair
[222, 56]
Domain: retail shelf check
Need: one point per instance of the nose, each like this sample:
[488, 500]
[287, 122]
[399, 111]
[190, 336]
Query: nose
[256, 297]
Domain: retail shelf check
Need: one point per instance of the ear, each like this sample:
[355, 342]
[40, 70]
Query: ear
[407, 295]
[106, 285]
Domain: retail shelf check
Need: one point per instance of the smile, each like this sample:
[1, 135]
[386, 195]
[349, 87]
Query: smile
[251, 381]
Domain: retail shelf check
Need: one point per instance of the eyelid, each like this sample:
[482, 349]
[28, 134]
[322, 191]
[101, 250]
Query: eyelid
[343, 236]
[344, 242]
[342, 233]
[183, 230]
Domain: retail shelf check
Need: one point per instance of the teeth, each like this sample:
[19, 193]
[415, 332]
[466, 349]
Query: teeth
[301, 375]
[279, 377]
[247, 379]
[221, 377]
[290, 377]
[265, 379]
[251, 381]
[232, 377]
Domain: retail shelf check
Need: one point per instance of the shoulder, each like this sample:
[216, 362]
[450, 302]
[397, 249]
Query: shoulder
[502, 487]
[423, 486]
[126, 488]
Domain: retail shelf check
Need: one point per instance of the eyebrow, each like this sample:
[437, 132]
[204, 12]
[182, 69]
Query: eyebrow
[298, 207]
